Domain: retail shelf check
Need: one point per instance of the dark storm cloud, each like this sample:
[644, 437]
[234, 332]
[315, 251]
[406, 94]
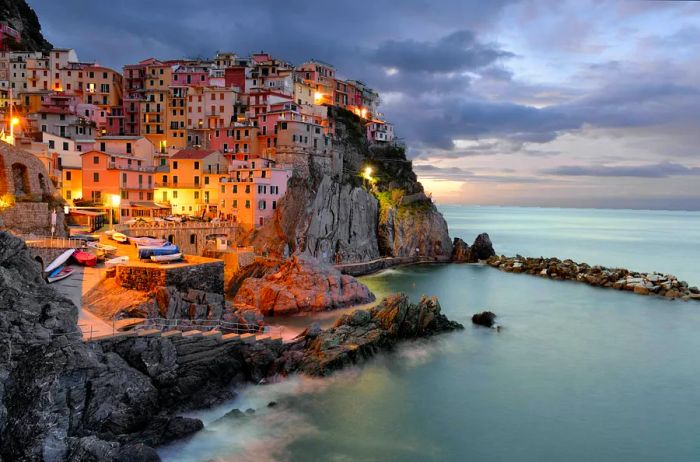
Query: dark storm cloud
[659, 170]
[458, 51]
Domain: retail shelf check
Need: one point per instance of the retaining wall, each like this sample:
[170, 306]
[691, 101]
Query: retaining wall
[198, 273]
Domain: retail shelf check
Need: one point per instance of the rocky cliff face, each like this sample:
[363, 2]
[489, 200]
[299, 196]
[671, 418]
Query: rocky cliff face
[337, 216]
[56, 394]
[23, 18]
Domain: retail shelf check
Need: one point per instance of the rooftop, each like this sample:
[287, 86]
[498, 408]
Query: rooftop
[192, 153]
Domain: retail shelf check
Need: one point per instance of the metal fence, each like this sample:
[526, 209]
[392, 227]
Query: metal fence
[208, 325]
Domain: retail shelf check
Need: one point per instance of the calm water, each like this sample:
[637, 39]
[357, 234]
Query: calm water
[577, 374]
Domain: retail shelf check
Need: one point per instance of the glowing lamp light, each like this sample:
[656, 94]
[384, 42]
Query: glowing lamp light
[14, 121]
[367, 173]
[318, 96]
[116, 200]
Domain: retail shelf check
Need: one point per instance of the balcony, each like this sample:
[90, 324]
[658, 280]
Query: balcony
[137, 187]
[132, 168]
[178, 185]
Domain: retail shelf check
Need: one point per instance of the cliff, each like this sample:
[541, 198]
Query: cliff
[333, 213]
[20, 16]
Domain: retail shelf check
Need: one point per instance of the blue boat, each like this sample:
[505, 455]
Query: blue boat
[146, 252]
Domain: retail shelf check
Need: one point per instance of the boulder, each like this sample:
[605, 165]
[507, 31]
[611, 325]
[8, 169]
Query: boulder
[485, 318]
[461, 252]
[482, 248]
[301, 284]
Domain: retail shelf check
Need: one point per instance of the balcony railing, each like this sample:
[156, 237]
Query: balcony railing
[178, 185]
[133, 168]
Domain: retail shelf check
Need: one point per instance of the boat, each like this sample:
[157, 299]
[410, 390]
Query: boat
[60, 273]
[147, 241]
[109, 232]
[85, 258]
[146, 252]
[86, 237]
[117, 261]
[107, 249]
[59, 261]
[119, 237]
[166, 258]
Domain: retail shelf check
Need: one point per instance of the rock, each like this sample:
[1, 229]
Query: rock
[348, 343]
[694, 290]
[272, 404]
[485, 318]
[461, 252]
[482, 248]
[302, 284]
[641, 290]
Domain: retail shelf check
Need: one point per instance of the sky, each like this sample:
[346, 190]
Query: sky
[579, 103]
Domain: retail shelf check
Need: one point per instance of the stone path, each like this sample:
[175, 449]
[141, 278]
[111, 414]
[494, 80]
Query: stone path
[75, 287]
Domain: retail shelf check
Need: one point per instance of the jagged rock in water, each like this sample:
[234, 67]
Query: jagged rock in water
[482, 248]
[461, 252]
[360, 335]
[302, 284]
[485, 318]
[416, 230]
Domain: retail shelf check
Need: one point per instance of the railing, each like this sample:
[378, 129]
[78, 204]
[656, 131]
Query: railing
[54, 243]
[208, 325]
[115, 166]
[188, 224]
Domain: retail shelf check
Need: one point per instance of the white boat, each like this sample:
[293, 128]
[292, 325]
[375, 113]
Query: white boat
[166, 258]
[107, 249]
[117, 261]
[145, 241]
[119, 237]
[59, 274]
[60, 260]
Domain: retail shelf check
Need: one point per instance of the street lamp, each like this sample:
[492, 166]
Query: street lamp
[116, 199]
[367, 173]
[13, 121]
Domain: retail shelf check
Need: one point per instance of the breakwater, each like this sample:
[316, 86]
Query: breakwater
[665, 285]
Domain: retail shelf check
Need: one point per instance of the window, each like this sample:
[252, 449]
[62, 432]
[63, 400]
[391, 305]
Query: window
[68, 176]
[262, 205]
[206, 180]
[52, 144]
[223, 188]
[196, 165]
[102, 147]
[196, 195]
[65, 146]
[128, 148]
[96, 160]
[96, 177]
[174, 179]
[235, 189]
[175, 165]
[174, 194]
[235, 203]
[68, 195]
[274, 205]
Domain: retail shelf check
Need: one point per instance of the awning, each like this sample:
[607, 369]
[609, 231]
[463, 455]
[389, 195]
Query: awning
[148, 205]
[88, 213]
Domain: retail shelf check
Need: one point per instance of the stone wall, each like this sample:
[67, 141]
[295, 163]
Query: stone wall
[201, 274]
[191, 237]
[32, 218]
[233, 261]
[22, 173]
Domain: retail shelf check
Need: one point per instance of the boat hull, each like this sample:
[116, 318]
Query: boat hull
[59, 261]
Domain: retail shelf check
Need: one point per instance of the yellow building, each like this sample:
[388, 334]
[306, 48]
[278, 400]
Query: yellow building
[154, 107]
[71, 183]
[191, 183]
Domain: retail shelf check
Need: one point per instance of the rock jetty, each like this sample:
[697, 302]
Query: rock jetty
[301, 284]
[481, 249]
[360, 335]
[665, 285]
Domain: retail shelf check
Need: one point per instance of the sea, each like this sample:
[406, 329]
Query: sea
[576, 374]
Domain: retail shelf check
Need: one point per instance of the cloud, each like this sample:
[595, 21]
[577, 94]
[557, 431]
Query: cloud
[460, 174]
[660, 170]
[458, 51]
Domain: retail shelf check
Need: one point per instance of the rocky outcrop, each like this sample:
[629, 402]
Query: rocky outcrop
[413, 230]
[301, 284]
[58, 396]
[360, 335]
[22, 18]
[485, 318]
[665, 285]
[481, 249]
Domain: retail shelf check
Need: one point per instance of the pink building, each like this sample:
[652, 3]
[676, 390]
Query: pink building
[252, 190]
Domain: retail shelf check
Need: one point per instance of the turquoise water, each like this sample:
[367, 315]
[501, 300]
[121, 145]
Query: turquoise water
[577, 373]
